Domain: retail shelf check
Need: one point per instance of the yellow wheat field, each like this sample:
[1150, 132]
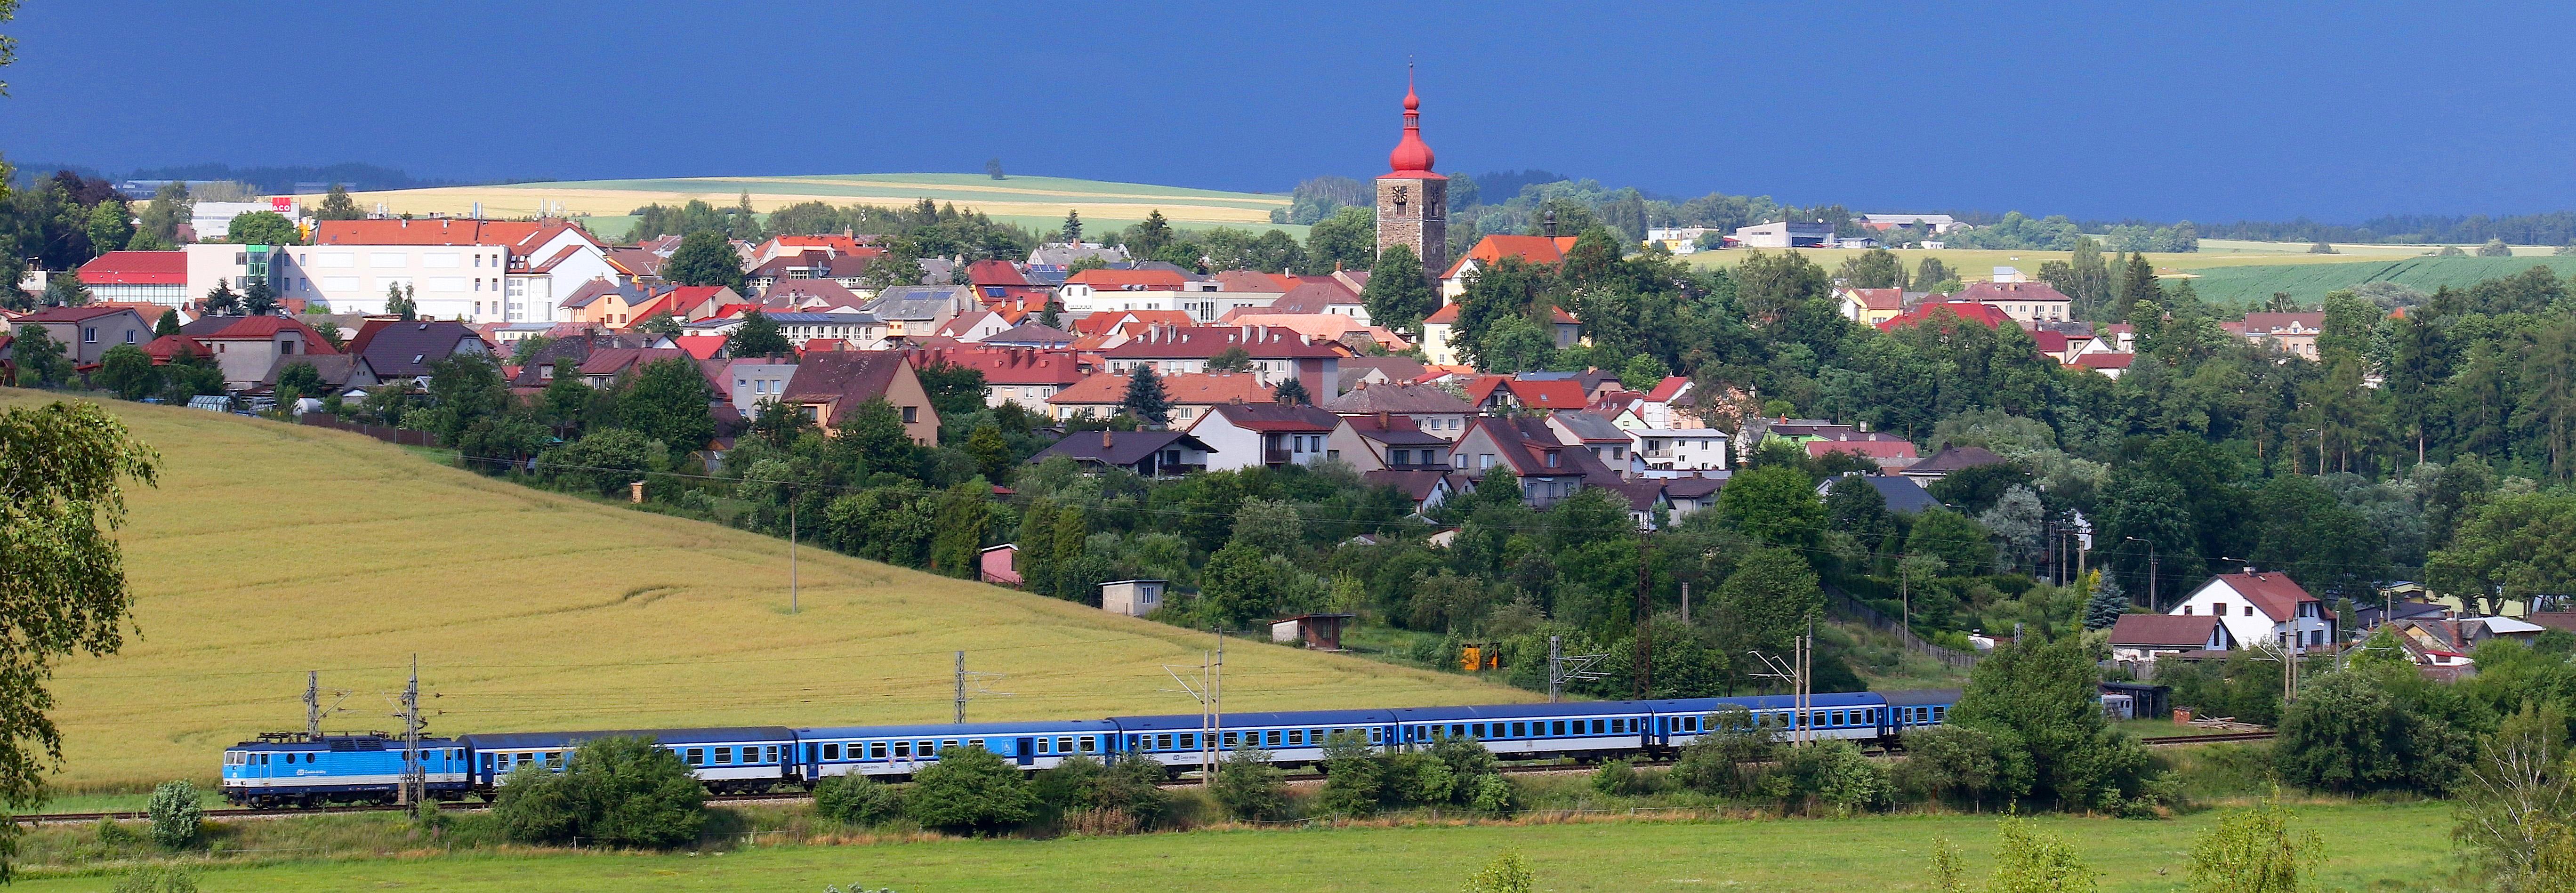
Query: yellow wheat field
[270, 549]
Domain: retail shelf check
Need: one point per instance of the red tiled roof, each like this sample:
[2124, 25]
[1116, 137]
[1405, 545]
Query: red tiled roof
[1969, 311]
[73, 314]
[2272, 591]
[424, 232]
[1165, 342]
[136, 268]
[703, 347]
[2170, 630]
[1531, 249]
[2105, 360]
[263, 327]
[2025, 292]
[162, 349]
[994, 272]
[1273, 417]
[1878, 298]
[1667, 389]
[1447, 315]
[1563, 393]
[1009, 365]
[1194, 389]
[2049, 342]
[613, 360]
[1106, 279]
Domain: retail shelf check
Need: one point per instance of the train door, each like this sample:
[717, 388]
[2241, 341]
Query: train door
[1028, 750]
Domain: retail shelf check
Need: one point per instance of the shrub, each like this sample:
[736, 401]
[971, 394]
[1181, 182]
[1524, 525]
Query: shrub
[176, 817]
[619, 791]
[1727, 762]
[1493, 795]
[856, 800]
[1354, 777]
[1619, 778]
[2254, 851]
[1119, 798]
[2365, 728]
[1248, 787]
[970, 790]
[1835, 772]
[1508, 873]
[157, 879]
[1942, 762]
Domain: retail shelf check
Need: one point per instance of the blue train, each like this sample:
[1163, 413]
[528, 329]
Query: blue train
[296, 769]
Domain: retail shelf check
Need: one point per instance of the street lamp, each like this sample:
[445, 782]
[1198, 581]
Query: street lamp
[2151, 572]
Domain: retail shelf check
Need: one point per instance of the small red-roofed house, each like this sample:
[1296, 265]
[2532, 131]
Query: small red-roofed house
[247, 349]
[1495, 394]
[1492, 249]
[703, 347]
[2111, 365]
[1955, 312]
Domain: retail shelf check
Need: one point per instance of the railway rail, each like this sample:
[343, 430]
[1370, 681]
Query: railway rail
[64, 818]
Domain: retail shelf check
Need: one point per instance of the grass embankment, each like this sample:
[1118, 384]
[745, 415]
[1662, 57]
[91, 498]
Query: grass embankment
[269, 549]
[2380, 847]
[1036, 202]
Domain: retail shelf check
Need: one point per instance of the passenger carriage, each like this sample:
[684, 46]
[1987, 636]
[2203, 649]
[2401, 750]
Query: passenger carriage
[900, 751]
[296, 769]
[1587, 730]
[1916, 709]
[1851, 716]
[1294, 738]
[745, 758]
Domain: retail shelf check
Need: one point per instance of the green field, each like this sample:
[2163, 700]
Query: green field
[2369, 847]
[2309, 283]
[1036, 202]
[269, 549]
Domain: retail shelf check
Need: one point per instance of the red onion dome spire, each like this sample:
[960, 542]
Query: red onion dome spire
[1411, 154]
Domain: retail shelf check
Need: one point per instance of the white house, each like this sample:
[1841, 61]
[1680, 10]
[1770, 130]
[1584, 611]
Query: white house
[1241, 435]
[473, 270]
[2262, 607]
[1676, 452]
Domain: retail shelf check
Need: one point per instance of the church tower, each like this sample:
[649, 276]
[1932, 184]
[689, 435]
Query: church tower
[1413, 202]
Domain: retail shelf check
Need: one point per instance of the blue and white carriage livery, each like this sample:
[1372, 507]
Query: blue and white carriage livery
[734, 758]
[1854, 716]
[293, 768]
[309, 771]
[897, 751]
[1532, 730]
[1291, 737]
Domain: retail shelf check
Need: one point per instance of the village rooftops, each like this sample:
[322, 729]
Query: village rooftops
[1203, 342]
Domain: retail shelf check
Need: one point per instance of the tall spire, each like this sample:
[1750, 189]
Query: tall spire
[1411, 154]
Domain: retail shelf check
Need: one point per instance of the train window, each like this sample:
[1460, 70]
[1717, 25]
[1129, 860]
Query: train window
[1315, 737]
[1273, 737]
[946, 743]
[1597, 727]
[697, 756]
[724, 756]
[1045, 746]
[1189, 740]
[1520, 730]
[554, 760]
[1086, 743]
[1162, 742]
[263, 759]
[1558, 727]
[1836, 720]
[1064, 744]
[1937, 712]
[976, 743]
[1296, 737]
[831, 751]
[1457, 730]
[876, 750]
[1477, 730]
[924, 749]
[1375, 734]
[1230, 738]
[902, 749]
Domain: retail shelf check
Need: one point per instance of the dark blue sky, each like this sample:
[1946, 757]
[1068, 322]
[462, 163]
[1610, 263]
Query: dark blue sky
[2209, 111]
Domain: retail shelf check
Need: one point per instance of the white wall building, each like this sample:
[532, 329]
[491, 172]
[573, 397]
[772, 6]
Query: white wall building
[475, 270]
[2263, 607]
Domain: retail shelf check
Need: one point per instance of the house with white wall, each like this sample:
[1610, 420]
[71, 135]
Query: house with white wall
[2262, 606]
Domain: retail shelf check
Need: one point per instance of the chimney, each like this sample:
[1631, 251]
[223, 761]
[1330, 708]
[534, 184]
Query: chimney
[2251, 570]
[1105, 439]
[1385, 420]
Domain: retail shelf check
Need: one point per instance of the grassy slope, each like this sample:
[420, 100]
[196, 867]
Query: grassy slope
[2376, 847]
[270, 549]
[1039, 202]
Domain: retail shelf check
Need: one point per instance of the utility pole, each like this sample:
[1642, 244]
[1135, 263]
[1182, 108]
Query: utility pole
[1562, 669]
[1216, 698]
[791, 577]
[1211, 713]
[412, 780]
[313, 705]
[1645, 625]
[1686, 604]
[961, 688]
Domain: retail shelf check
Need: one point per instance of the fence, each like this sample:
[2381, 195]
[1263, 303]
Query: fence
[1844, 604]
[384, 433]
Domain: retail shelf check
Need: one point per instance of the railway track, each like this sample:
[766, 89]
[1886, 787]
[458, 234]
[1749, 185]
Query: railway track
[2179, 740]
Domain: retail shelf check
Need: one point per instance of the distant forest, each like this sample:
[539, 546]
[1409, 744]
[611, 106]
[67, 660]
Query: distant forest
[265, 178]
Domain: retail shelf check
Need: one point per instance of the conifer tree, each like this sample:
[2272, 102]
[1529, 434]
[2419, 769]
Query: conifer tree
[2106, 605]
[1145, 398]
[1073, 226]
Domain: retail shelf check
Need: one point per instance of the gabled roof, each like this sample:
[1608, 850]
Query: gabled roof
[1524, 442]
[1006, 365]
[1530, 249]
[136, 268]
[795, 292]
[2008, 292]
[1032, 333]
[1967, 311]
[2273, 591]
[1254, 281]
[590, 292]
[1196, 390]
[995, 272]
[82, 313]
[260, 328]
[615, 360]
[1590, 427]
[2165, 630]
[1876, 298]
[1164, 342]
[1559, 393]
[336, 369]
[1103, 322]
[1119, 447]
[1273, 417]
[1640, 494]
[1667, 389]
[2258, 325]
[1447, 315]
[526, 234]
[1397, 397]
[702, 347]
[2110, 360]
[1415, 484]
[400, 349]
[1105, 279]
[851, 376]
[1901, 494]
[167, 346]
[1399, 430]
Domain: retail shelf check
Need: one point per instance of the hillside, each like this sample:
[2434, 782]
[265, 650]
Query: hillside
[2309, 283]
[1036, 202]
[270, 549]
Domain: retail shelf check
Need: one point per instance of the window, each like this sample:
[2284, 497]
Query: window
[1558, 728]
[1163, 742]
[1230, 738]
[831, 751]
[903, 749]
[1597, 726]
[911, 414]
[1064, 745]
[697, 756]
[877, 750]
[1273, 737]
[129, 336]
[2249, 610]
[2186, 610]
[724, 756]
[89, 335]
[1520, 730]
